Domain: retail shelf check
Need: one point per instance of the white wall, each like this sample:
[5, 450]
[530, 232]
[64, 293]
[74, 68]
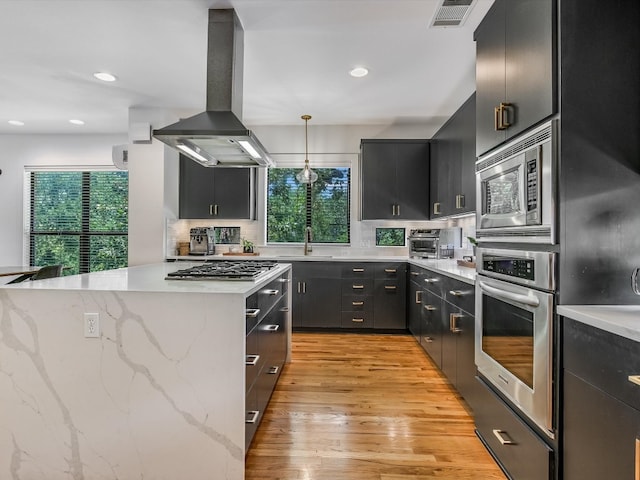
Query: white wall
[19, 151]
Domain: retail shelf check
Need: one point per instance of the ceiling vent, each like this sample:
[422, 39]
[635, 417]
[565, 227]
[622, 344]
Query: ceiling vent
[452, 13]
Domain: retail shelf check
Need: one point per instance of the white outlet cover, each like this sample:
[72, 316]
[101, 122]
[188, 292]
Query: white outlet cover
[92, 325]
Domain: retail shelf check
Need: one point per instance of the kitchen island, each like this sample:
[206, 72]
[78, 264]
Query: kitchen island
[159, 393]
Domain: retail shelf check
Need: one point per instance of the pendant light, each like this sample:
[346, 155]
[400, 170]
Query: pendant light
[306, 175]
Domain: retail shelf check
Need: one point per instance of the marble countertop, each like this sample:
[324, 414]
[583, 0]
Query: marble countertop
[623, 320]
[149, 278]
[447, 267]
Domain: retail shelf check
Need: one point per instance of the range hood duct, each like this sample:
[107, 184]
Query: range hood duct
[217, 136]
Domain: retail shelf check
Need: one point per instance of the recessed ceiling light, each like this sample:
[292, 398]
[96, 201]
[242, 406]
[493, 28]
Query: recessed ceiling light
[76, 121]
[359, 72]
[105, 77]
[17, 123]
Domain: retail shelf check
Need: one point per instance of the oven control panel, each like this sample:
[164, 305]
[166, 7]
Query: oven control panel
[512, 267]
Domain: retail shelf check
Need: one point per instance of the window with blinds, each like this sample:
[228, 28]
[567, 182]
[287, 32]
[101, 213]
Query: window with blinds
[323, 205]
[78, 219]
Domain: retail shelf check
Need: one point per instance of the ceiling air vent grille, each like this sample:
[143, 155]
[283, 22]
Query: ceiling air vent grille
[452, 13]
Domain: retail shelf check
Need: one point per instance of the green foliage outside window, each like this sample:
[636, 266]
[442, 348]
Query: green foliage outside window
[79, 220]
[292, 206]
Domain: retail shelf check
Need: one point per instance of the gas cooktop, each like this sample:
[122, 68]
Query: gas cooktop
[224, 270]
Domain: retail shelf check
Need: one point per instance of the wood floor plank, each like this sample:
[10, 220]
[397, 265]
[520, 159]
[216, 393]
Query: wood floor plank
[374, 407]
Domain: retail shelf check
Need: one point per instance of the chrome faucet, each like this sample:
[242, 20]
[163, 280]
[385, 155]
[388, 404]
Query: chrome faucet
[308, 238]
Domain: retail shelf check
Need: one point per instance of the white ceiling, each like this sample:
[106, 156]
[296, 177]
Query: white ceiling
[297, 57]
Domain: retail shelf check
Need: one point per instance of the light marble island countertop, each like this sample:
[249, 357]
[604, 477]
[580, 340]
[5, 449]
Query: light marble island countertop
[159, 393]
[623, 320]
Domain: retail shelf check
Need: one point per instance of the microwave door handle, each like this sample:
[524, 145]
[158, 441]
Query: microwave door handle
[514, 297]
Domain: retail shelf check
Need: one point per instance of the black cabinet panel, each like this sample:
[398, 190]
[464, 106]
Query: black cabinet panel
[431, 331]
[414, 309]
[390, 304]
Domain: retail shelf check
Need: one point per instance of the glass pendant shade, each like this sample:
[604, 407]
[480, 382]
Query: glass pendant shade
[306, 175]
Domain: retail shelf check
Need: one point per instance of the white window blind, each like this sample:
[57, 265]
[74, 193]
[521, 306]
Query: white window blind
[78, 219]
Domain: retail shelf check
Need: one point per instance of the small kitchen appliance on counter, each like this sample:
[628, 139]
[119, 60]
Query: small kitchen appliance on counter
[434, 243]
[202, 241]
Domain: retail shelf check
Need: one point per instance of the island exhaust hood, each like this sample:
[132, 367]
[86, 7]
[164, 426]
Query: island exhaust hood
[217, 136]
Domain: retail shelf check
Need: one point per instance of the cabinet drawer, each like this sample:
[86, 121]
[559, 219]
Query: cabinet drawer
[389, 270]
[357, 303]
[357, 286]
[434, 282]
[252, 312]
[252, 417]
[254, 358]
[416, 274]
[460, 294]
[357, 319]
[269, 296]
[516, 447]
[603, 359]
[358, 270]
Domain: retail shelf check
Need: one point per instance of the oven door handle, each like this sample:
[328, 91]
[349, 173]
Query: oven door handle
[514, 297]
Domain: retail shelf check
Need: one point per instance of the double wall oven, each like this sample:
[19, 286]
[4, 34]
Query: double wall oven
[516, 282]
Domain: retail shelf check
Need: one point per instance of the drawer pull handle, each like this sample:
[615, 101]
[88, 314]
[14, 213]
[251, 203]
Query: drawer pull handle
[358, 270]
[271, 328]
[252, 416]
[430, 280]
[456, 293]
[272, 292]
[500, 435]
[357, 320]
[390, 287]
[453, 327]
[418, 296]
[251, 360]
[273, 370]
[358, 287]
[430, 308]
[415, 274]
[634, 379]
[284, 309]
[252, 312]
[390, 270]
[357, 304]
[428, 340]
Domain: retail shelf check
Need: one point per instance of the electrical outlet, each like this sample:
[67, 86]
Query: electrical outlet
[91, 325]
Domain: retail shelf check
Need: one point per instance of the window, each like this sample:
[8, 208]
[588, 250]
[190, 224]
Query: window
[323, 205]
[78, 219]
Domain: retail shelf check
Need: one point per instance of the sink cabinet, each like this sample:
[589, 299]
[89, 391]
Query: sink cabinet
[317, 291]
[394, 179]
[216, 192]
[515, 76]
[601, 407]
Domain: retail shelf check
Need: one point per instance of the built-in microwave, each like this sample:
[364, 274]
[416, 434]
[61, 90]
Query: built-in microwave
[516, 188]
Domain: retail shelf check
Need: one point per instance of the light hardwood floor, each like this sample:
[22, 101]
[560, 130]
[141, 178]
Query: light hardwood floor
[365, 407]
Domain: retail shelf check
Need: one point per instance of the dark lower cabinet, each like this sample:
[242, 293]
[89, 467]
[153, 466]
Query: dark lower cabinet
[414, 309]
[601, 404]
[431, 336]
[519, 451]
[389, 296]
[317, 295]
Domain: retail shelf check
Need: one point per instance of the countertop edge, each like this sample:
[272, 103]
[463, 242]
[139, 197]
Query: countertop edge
[622, 320]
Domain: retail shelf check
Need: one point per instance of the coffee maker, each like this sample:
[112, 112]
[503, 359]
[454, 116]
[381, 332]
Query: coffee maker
[202, 241]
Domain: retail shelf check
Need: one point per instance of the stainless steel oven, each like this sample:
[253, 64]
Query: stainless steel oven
[514, 328]
[515, 190]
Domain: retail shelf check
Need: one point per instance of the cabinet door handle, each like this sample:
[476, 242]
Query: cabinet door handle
[453, 317]
[634, 379]
[430, 308]
[299, 287]
[271, 292]
[390, 287]
[251, 360]
[252, 312]
[428, 340]
[271, 328]
[393, 210]
[430, 280]
[504, 119]
[436, 208]
[304, 287]
[357, 270]
[500, 435]
[357, 304]
[634, 281]
[357, 320]
[252, 416]
[637, 459]
[459, 201]
[357, 287]
[284, 309]
[215, 209]
[390, 270]
[398, 209]
[211, 210]
[456, 293]
[273, 370]
[496, 119]
[418, 296]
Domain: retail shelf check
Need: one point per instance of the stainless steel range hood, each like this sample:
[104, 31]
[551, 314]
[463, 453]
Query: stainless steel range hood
[217, 136]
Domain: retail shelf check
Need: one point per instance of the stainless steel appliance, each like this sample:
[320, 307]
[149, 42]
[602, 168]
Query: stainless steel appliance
[224, 270]
[434, 243]
[202, 241]
[516, 190]
[514, 328]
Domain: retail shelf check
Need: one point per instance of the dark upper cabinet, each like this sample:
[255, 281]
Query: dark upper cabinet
[394, 179]
[453, 158]
[515, 80]
[216, 192]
